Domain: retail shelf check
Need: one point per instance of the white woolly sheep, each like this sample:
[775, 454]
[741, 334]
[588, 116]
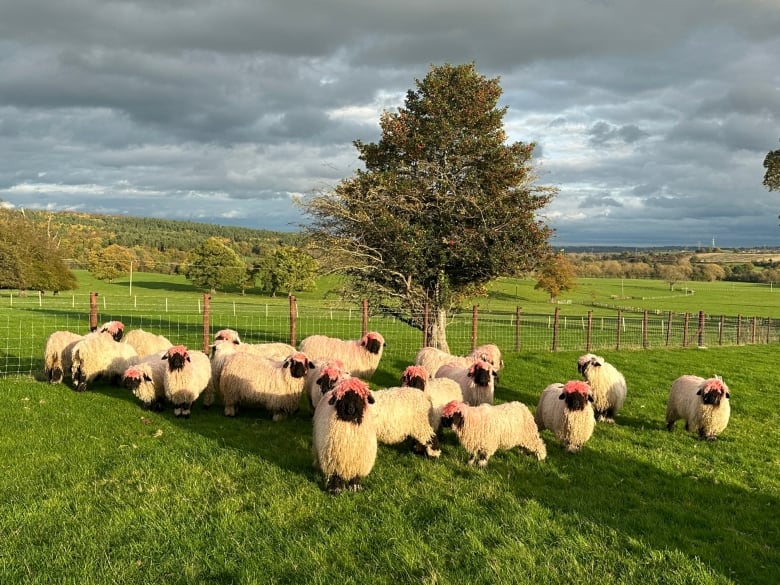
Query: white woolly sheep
[59, 347]
[567, 410]
[607, 384]
[321, 378]
[441, 390]
[344, 440]
[227, 335]
[477, 381]
[146, 380]
[146, 343]
[188, 374]
[490, 353]
[98, 355]
[432, 358]
[275, 385]
[403, 412]
[482, 430]
[705, 404]
[360, 356]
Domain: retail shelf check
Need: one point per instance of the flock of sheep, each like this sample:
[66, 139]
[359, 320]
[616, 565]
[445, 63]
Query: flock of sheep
[349, 419]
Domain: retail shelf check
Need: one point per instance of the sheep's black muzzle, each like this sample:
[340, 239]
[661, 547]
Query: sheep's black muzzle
[373, 345]
[482, 377]
[575, 401]
[416, 382]
[176, 361]
[326, 383]
[712, 398]
[132, 384]
[297, 369]
[350, 408]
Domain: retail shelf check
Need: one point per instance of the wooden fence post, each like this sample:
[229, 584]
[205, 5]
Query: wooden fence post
[364, 324]
[768, 329]
[293, 323]
[668, 328]
[517, 329]
[720, 329]
[686, 320]
[206, 325]
[93, 311]
[739, 329]
[701, 329]
[753, 331]
[555, 330]
[588, 333]
[474, 321]
[426, 325]
[644, 330]
[617, 333]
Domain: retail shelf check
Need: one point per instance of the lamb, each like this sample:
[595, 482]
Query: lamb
[321, 378]
[477, 381]
[146, 381]
[188, 374]
[276, 385]
[360, 356]
[484, 429]
[146, 343]
[344, 440]
[403, 412]
[98, 355]
[703, 403]
[567, 410]
[59, 347]
[441, 390]
[432, 358]
[607, 384]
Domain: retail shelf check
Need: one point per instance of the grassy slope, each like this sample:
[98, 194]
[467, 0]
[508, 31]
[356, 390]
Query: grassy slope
[95, 490]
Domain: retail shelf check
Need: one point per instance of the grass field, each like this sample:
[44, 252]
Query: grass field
[96, 490]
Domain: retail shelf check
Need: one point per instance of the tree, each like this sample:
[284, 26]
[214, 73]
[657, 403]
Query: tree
[110, 262]
[772, 166]
[443, 206]
[291, 269]
[212, 265]
[556, 275]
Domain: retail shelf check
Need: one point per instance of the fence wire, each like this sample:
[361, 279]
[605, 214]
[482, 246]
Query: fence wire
[26, 323]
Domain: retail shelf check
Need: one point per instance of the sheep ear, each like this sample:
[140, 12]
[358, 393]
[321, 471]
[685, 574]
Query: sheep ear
[371, 398]
[312, 365]
[332, 400]
[164, 356]
[699, 392]
[236, 342]
[590, 397]
[188, 358]
[728, 395]
[147, 378]
[286, 363]
[562, 396]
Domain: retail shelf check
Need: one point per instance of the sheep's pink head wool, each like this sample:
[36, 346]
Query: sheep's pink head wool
[714, 384]
[576, 387]
[132, 372]
[355, 385]
[412, 372]
[177, 350]
[451, 408]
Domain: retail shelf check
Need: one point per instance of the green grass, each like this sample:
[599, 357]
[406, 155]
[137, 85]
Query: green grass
[95, 490]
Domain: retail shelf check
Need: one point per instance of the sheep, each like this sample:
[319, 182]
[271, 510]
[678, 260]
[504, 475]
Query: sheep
[477, 381]
[59, 347]
[441, 390]
[344, 440]
[705, 404]
[98, 355]
[276, 385]
[321, 378]
[146, 343]
[567, 410]
[360, 356]
[403, 412]
[188, 374]
[146, 381]
[484, 429]
[607, 384]
[227, 344]
[432, 358]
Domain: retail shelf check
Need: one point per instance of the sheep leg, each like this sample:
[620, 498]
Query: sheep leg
[231, 410]
[335, 485]
[55, 375]
[483, 457]
[156, 405]
[354, 484]
[609, 416]
[670, 425]
[183, 410]
[703, 436]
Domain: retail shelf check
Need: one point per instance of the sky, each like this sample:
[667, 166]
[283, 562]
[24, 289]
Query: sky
[652, 118]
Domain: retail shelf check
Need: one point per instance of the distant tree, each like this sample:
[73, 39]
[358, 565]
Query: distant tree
[772, 166]
[110, 262]
[709, 272]
[213, 265]
[10, 269]
[291, 269]
[674, 273]
[557, 274]
[443, 206]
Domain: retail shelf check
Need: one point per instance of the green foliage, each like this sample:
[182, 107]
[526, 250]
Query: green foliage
[213, 265]
[30, 257]
[290, 269]
[556, 275]
[772, 166]
[443, 206]
[110, 262]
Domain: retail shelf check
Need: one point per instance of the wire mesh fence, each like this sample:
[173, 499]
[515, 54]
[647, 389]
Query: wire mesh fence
[26, 323]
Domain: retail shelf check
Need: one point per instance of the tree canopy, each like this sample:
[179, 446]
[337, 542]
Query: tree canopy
[290, 269]
[772, 166]
[557, 274]
[110, 262]
[444, 204]
[213, 265]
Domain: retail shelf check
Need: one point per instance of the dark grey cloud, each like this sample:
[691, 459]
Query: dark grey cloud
[651, 118]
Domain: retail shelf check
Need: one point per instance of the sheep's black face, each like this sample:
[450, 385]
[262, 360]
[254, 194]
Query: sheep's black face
[117, 335]
[176, 361]
[373, 345]
[416, 382]
[482, 377]
[713, 397]
[455, 421]
[326, 383]
[350, 407]
[132, 383]
[575, 401]
[298, 369]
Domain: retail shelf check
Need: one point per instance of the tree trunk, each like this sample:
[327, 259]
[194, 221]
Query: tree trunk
[438, 336]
